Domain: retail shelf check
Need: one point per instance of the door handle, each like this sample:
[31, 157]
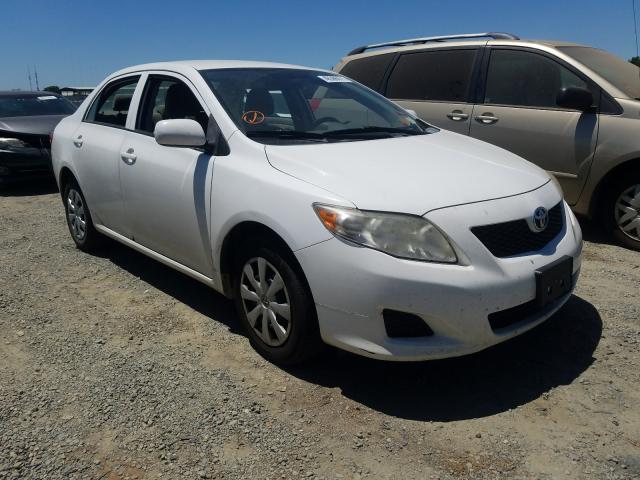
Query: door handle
[486, 118]
[457, 115]
[128, 157]
[78, 141]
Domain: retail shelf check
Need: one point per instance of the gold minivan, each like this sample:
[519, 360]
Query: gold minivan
[573, 110]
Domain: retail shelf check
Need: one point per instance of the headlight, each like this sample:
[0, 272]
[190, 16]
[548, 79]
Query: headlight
[404, 236]
[12, 144]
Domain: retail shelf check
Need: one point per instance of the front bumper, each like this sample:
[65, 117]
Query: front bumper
[353, 285]
[31, 161]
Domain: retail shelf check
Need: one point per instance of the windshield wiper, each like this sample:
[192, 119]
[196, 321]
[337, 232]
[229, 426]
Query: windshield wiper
[288, 134]
[369, 130]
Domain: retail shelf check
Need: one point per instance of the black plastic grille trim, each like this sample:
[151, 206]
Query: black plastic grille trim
[515, 237]
[403, 324]
[525, 312]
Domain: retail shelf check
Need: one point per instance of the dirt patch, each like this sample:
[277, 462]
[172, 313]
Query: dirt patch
[114, 366]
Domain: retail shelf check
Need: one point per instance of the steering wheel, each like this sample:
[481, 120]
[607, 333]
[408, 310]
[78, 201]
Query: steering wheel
[322, 120]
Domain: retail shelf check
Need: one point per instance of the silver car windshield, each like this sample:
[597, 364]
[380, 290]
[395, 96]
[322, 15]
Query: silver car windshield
[277, 105]
[623, 75]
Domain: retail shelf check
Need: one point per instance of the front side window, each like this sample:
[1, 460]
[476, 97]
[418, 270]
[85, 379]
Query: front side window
[112, 105]
[16, 105]
[526, 79]
[168, 98]
[620, 73]
[276, 105]
[438, 75]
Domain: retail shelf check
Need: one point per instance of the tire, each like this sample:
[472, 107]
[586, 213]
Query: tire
[78, 216]
[292, 335]
[621, 211]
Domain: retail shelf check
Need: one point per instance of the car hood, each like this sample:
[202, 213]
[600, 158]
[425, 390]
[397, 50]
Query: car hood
[34, 125]
[410, 174]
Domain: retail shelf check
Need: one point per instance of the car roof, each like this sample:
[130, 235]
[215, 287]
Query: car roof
[183, 65]
[458, 42]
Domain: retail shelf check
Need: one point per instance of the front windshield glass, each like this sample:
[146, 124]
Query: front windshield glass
[276, 105]
[621, 74]
[31, 105]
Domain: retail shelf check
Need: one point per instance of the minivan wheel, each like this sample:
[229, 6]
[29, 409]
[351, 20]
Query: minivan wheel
[623, 211]
[83, 233]
[275, 307]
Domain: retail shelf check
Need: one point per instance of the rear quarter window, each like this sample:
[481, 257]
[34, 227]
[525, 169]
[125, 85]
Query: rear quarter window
[368, 71]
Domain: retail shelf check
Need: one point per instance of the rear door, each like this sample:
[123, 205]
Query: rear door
[437, 84]
[166, 190]
[518, 112]
[96, 147]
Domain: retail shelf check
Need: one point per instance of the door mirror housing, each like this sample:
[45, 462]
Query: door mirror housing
[179, 133]
[575, 98]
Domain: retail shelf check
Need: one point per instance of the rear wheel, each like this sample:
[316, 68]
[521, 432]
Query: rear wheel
[274, 305]
[622, 211]
[83, 233]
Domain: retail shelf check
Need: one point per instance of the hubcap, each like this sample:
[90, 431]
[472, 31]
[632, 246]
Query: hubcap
[76, 214]
[266, 301]
[627, 212]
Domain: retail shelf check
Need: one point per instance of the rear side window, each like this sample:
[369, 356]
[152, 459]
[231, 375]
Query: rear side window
[439, 75]
[526, 79]
[112, 105]
[168, 98]
[368, 71]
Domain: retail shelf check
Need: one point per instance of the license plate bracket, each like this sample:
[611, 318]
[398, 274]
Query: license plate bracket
[553, 280]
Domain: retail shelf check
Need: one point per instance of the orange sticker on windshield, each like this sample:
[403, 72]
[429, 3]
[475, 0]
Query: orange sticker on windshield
[253, 117]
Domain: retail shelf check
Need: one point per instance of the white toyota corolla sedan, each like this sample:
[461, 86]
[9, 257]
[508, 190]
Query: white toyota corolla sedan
[327, 212]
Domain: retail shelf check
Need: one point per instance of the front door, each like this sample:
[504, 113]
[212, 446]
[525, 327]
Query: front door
[167, 190]
[520, 114]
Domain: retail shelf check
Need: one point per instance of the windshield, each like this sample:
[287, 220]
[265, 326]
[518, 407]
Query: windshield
[276, 105]
[621, 74]
[30, 105]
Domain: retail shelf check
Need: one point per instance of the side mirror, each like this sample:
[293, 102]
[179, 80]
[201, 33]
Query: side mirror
[575, 98]
[179, 133]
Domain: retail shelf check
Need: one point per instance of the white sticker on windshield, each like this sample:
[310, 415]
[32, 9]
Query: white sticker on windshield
[48, 97]
[334, 79]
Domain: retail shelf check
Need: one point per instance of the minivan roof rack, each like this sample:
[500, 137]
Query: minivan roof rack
[413, 41]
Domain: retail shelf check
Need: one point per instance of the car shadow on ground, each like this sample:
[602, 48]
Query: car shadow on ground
[28, 187]
[486, 383]
[185, 289]
[594, 233]
[479, 385]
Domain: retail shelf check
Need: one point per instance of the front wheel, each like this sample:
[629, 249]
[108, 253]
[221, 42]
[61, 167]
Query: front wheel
[274, 305]
[622, 211]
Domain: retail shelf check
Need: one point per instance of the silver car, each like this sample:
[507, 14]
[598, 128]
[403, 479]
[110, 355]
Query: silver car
[571, 109]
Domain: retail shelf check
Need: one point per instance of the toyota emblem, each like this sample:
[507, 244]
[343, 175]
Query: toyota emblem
[540, 219]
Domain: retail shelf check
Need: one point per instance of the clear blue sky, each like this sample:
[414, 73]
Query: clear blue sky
[80, 42]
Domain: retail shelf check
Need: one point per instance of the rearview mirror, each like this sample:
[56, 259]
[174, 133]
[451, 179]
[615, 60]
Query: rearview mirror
[411, 112]
[575, 98]
[179, 133]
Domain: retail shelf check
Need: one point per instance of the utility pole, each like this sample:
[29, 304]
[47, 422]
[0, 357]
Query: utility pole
[36, 74]
[29, 76]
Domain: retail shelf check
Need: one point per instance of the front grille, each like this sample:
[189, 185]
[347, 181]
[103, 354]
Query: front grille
[515, 237]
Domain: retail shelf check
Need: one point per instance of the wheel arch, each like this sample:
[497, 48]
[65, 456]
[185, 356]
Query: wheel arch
[622, 169]
[243, 235]
[66, 176]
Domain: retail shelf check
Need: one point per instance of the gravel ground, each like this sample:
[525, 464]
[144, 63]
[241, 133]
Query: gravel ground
[114, 366]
